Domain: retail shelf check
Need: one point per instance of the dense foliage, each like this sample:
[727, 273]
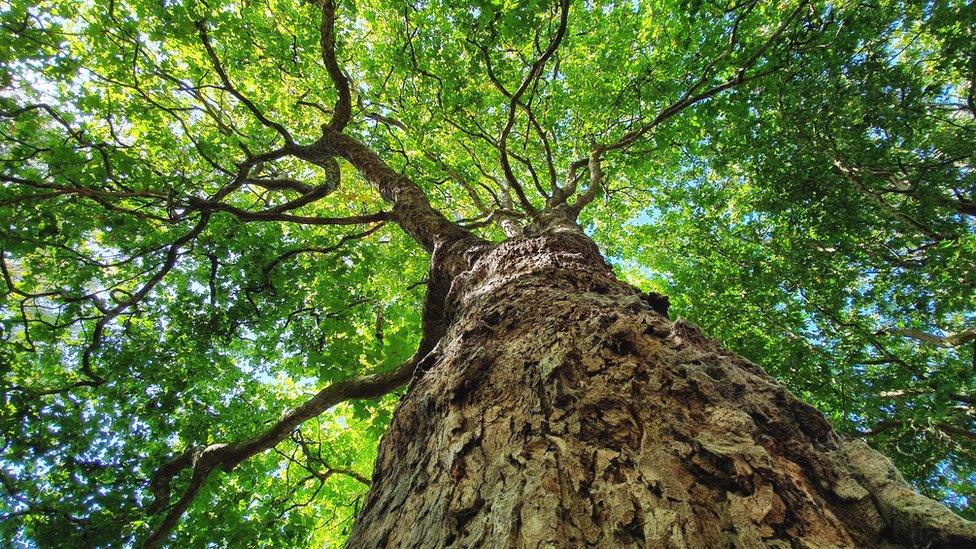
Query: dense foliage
[798, 177]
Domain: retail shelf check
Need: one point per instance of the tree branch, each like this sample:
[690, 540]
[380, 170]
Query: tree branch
[215, 62]
[275, 214]
[343, 106]
[688, 99]
[203, 461]
[411, 209]
[317, 249]
[948, 341]
[534, 72]
[171, 256]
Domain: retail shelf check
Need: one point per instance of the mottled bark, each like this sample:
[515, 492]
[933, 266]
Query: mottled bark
[561, 409]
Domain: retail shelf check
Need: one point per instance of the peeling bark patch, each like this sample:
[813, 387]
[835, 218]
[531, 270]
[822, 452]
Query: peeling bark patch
[563, 409]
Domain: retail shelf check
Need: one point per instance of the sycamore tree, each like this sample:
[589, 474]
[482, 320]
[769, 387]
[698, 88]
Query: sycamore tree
[393, 274]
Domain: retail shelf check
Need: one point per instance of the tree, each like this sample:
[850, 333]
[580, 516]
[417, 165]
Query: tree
[243, 240]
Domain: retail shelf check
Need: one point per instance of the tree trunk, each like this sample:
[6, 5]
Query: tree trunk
[560, 409]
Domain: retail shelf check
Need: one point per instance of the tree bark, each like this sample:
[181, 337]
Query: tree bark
[562, 409]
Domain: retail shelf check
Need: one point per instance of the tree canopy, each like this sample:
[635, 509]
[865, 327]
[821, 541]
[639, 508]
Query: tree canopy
[186, 252]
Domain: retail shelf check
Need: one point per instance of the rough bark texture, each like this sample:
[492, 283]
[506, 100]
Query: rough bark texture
[411, 209]
[560, 409]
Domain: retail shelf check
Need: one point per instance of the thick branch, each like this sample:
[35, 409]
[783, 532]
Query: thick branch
[411, 209]
[202, 462]
[949, 341]
[343, 107]
[596, 181]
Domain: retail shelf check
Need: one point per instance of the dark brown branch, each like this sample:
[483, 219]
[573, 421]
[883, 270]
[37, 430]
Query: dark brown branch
[492, 217]
[382, 119]
[411, 209]
[318, 249]
[853, 174]
[343, 107]
[279, 184]
[273, 215]
[342, 471]
[688, 99]
[534, 72]
[460, 180]
[533, 121]
[202, 462]
[329, 469]
[171, 255]
[215, 62]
